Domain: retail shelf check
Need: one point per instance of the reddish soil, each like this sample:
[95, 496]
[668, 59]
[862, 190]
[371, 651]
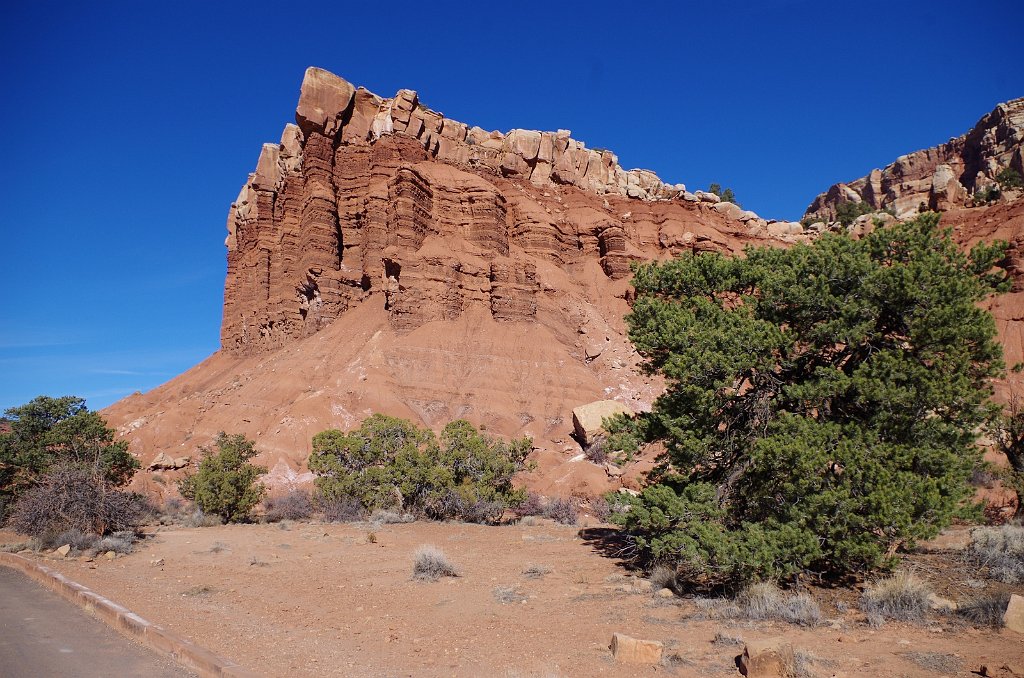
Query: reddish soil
[313, 599]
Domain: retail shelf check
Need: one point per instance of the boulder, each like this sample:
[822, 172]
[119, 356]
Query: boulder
[323, 101]
[635, 651]
[940, 604]
[769, 658]
[588, 420]
[162, 461]
[182, 462]
[1013, 618]
[703, 196]
[63, 551]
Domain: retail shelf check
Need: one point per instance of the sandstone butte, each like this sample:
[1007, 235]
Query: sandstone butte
[385, 258]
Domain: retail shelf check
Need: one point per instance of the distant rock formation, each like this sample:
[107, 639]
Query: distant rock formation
[938, 178]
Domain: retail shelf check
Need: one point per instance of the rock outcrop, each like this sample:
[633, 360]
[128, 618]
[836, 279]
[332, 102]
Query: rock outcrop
[366, 196]
[939, 178]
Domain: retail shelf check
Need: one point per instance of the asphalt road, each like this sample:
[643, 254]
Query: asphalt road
[43, 635]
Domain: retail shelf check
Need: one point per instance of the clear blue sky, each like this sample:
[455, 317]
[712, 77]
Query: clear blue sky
[131, 126]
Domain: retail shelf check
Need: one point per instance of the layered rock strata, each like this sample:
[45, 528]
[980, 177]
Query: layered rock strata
[938, 178]
[366, 196]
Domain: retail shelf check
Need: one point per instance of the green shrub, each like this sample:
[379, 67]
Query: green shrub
[390, 463]
[725, 194]
[847, 212]
[226, 484]
[822, 401]
[987, 195]
[1009, 178]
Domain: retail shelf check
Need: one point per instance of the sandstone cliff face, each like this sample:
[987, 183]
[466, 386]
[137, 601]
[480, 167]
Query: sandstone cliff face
[941, 178]
[383, 258]
[371, 198]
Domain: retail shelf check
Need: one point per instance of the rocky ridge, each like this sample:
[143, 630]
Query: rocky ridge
[939, 178]
[368, 196]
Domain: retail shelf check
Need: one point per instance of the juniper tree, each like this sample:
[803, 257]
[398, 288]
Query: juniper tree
[822, 401]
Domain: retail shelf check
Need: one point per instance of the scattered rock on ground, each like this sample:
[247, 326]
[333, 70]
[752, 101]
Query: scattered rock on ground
[769, 658]
[635, 651]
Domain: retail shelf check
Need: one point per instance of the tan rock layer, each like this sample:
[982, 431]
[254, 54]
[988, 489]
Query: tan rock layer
[939, 178]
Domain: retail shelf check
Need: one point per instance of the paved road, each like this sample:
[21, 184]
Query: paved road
[42, 635]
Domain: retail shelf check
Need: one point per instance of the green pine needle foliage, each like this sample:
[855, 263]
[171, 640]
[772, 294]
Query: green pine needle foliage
[822, 402]
[226, 484]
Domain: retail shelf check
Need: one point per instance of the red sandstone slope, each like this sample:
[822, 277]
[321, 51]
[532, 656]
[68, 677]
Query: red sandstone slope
[383, 258]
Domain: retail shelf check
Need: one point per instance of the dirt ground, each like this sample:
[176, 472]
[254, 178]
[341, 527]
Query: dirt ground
[309, 599]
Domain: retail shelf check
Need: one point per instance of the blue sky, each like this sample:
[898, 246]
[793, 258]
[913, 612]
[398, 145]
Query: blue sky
[131, 126]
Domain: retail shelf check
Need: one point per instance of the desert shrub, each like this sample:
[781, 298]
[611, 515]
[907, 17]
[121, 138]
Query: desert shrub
[766, 601]
[985, 610]
[1001, 550]
[430, 564]
[197, 518]
[562, 511]
[597, 451]
[1010, 178]
[78, 540]
[49, 432]
[120, 542]
[296, 505]
[901, 597]
[822, 401]
[531, 505]
[386, 517]
[390, 463]
[600, 509]
[847, 212]
[340, 510]
[74, 498]
[226, 484]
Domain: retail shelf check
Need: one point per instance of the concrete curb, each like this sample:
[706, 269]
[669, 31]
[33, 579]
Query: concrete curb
[157, 638]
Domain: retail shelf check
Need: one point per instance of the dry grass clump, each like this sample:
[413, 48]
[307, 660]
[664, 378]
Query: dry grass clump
[726, 639]
[663, 577]
[430, 564]
[1001, 550]
[936, 662]
[386, 517]
[507, 595]
[766, 601]
[902, 597]
[985, 610]
[762, 602]
[534, 571]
